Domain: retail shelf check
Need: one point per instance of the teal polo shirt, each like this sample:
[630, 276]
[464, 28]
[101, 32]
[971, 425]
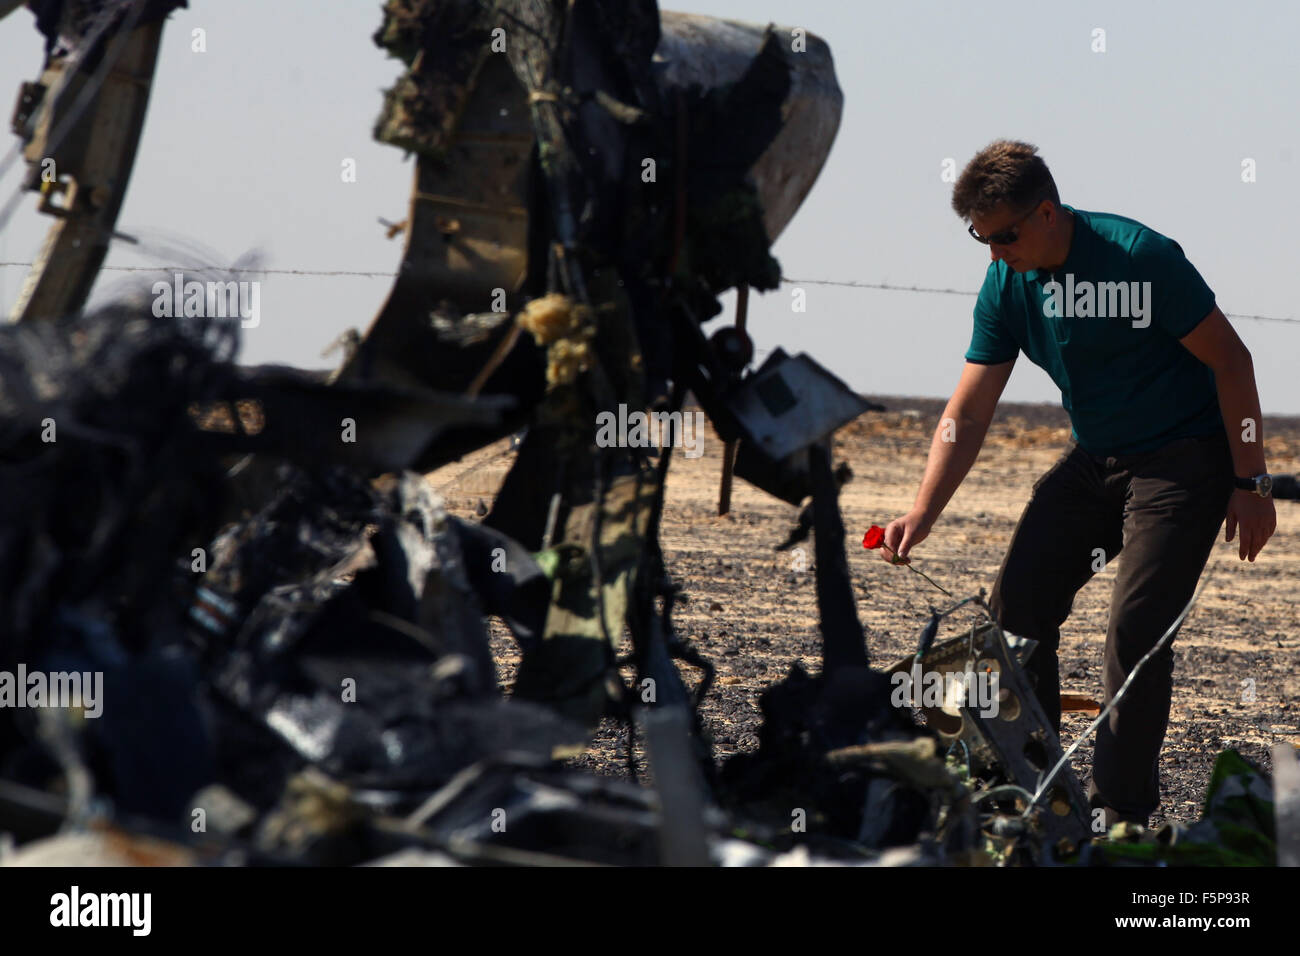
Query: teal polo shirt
[1105, 326]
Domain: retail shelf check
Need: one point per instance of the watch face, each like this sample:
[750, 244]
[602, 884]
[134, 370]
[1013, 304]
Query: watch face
[1264, 485]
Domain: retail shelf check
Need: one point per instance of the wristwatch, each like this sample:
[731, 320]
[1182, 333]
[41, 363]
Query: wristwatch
[1262, 485]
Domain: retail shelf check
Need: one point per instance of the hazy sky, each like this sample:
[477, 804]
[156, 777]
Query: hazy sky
[243, 147]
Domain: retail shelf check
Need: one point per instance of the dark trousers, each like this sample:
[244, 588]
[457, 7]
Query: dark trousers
[1160, 511]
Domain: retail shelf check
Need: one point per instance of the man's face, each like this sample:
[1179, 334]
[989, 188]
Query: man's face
[1030, 244]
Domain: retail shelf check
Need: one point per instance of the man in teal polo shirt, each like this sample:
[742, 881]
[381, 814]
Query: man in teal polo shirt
[1167, 440]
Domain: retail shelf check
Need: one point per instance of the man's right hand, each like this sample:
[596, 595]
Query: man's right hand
[901, 534]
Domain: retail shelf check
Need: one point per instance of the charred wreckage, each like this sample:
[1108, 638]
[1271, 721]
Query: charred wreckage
[289, 627]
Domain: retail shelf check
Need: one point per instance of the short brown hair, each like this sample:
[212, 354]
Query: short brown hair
[1004, 171]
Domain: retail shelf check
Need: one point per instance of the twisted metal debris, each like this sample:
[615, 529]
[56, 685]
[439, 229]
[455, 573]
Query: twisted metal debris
[290, 626]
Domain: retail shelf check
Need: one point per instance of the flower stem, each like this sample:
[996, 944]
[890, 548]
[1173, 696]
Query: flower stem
[895, 560]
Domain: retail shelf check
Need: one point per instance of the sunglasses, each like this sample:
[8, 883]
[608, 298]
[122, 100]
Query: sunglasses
[1004, 238]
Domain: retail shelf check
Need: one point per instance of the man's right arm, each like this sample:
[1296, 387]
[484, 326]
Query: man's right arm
[956, 445]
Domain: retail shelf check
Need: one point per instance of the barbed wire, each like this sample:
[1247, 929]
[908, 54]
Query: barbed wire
[877, 285]
[233, 271]
[932, 289]
[786, 280]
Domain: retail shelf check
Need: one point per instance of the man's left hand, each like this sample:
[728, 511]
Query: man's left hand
[1257, 518]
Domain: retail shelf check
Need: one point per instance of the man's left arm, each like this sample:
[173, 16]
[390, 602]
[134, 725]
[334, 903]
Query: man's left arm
[1215, 342]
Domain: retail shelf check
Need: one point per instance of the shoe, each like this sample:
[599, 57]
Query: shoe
[1113, 816]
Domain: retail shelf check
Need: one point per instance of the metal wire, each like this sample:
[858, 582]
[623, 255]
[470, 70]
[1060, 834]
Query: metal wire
[87, 93]
[385, 274]
[933, 290]
[1004, 789]
[1042, 787]
[101, 23]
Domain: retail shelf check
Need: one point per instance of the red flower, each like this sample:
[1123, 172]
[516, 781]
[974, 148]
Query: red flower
[875, 538]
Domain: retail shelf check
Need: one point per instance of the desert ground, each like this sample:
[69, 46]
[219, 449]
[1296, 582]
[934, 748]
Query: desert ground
[752, 613]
